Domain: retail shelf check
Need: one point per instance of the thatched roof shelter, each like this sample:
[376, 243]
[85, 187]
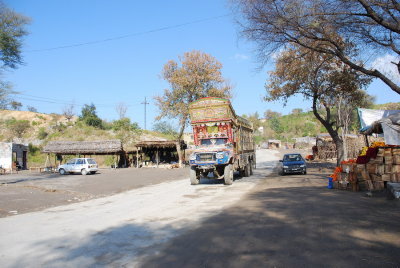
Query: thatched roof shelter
[84, 147]
[160, 144]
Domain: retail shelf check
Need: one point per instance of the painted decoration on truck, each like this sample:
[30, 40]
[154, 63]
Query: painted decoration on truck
[209, 113]
[209, 102]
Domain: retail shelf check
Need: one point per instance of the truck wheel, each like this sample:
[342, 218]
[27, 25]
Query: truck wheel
[194, 176]
[228, 174]
[247, 170]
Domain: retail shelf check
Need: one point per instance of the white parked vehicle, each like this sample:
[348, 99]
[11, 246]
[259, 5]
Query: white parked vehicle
[79, 165]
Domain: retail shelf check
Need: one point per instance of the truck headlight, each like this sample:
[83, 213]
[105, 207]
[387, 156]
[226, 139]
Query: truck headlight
[193, 157]
[302, 165]
[220, 155]
[285, 166]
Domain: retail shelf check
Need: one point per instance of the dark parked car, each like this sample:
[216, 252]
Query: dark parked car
[293, 163]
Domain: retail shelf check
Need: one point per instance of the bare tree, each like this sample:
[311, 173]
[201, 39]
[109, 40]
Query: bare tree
[121, 109]
[68, 111]
[340, 28]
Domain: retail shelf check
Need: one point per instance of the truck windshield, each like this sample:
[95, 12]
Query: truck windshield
[217, 141]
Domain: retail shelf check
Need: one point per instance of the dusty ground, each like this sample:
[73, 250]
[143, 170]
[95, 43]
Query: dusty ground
[265, 220]
[26, 192]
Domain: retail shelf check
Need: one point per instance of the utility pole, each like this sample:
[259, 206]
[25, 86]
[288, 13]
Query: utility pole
[145, 104]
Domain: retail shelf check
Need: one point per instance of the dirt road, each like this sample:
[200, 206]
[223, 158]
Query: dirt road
[262, 221]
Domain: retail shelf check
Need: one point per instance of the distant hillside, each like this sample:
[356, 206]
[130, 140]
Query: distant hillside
[303, 124]
[388, 106]
[38, 122]
[39, 129]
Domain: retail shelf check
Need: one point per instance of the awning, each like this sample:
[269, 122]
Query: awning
[381, 121]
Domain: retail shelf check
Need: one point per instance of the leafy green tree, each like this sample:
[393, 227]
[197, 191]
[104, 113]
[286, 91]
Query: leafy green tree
[197, 75]
[320, 78]
[18, 127]
[297, 111]
[165, 128]
[32, 109]
[269, 114]
[42, 134]
[124, 124]
[89, 116]
[15, 105]
[276, 125]
[12, 31]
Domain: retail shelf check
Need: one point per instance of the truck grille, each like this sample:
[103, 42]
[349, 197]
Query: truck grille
[206, 157]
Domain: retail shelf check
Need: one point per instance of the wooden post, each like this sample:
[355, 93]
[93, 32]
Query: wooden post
[157, 157]
[366, 140]
[137, 157]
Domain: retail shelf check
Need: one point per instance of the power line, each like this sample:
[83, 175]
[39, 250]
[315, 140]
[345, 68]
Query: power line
[129, 35]
[58, 101]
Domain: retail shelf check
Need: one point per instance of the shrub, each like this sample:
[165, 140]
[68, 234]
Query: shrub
[42, 133]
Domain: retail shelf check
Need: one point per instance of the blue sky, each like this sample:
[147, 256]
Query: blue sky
[128, 69]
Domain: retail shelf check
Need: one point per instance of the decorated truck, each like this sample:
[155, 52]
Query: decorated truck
[223, 141]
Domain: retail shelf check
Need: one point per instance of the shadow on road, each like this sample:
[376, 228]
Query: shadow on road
[292, 227]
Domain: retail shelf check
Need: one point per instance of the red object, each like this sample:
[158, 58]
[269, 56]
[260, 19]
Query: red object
[372, 152]
[362, 159]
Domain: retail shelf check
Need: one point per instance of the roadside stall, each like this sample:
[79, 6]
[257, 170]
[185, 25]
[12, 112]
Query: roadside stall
[378, 165]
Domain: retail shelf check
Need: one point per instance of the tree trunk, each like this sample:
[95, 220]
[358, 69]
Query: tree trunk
[329, 127]
[178, 145]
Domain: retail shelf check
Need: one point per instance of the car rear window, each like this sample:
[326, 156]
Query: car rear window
[292, 158]
[91, 161]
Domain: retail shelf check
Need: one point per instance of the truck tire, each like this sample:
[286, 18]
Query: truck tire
[194, 176]
[247, 170]
[228, 174]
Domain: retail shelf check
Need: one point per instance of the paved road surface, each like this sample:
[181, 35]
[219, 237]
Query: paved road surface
[262, 221]
[120, 229]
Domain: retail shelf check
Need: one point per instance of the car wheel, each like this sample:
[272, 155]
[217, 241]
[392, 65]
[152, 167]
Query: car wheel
[62, 171]
[304, 172]
[84, 172]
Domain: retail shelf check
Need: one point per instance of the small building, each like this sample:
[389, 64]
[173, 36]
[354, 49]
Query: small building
[13, 156]
[85, 148]
[304, 142]
[156, 152]
[274, 144]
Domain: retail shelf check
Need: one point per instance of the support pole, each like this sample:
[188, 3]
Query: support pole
[157, 157]
[366, 140]
[137, 158]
